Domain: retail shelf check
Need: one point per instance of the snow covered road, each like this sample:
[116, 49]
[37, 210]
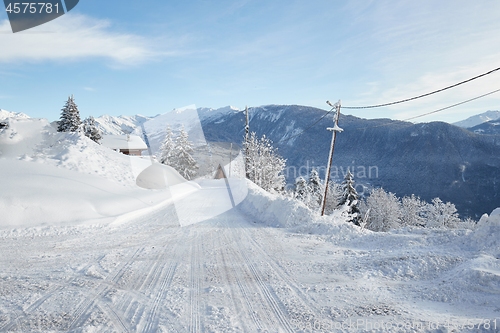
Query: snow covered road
[232, 274]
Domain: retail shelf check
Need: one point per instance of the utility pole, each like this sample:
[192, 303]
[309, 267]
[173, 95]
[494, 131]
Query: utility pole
[247, 133]
[230, 159]
[334, 131]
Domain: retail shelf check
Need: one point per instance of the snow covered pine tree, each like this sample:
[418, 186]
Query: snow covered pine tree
[90, 129]
[167, 148]
[182, 160]
[70, 117]
[301, 189]
[315, 189]
[350, 197]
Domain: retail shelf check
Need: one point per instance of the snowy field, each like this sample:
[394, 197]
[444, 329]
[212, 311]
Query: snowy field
[84, 249]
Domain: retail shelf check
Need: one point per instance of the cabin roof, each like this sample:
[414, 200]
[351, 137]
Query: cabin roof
[123, 142]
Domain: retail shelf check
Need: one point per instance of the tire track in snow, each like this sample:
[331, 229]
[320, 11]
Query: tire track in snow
[166, 281]
[9, 325]
[298, 306]
[195, 275]
[113, 316]
[277, 306]
[90, 302]
[233, 278]
[277, 269]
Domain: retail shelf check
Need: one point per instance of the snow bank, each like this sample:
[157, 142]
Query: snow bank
[486, 237]
[52, 178]
[36, 194]
[159, 176]
[278, 211]
[36, 140]
[274, 210]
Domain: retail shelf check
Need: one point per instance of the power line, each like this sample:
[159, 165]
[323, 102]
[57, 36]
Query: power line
[424, 95]
[435, 111]
[307, 128]
[452, 106]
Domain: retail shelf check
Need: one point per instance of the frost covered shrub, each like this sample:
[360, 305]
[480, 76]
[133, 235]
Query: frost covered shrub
[413, 211]
[442, 215]
[264, 166]
[384, 211]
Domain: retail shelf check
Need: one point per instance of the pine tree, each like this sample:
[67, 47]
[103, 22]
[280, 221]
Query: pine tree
[333, 197]
[350, 197]
[90, 129]
[182, 159]
[301, 191]
[315, 189]
[167, 149]
[70, 117]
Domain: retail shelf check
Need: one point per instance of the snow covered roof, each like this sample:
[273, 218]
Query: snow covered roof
[123, 142]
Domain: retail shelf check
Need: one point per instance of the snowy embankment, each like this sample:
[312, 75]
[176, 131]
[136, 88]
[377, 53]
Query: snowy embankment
[457, 270]
[49, 178]
[283, 212]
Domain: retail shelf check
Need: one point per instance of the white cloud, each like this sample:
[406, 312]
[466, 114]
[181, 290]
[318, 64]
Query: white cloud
[75, 37]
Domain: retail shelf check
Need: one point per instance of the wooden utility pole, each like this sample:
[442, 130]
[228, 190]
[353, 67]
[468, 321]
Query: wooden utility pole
[247, 133]
[230, 159]
[334, 131]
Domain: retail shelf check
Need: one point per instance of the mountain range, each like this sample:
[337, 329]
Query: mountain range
[478, 119]
[460, 165]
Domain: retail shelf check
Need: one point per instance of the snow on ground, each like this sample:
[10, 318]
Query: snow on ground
[49, 178]
[225, 257]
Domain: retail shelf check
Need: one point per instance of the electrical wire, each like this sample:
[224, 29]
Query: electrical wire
[403, 101]
[435, 111]
[424, 95]
[452, 106]
[307, 128]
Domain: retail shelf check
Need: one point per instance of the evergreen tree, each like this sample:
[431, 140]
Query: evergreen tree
[350, 197]
[167, 149]
[70, 117]
[301, 191]
[90, 129]
[182, 159]
[333, 197]
[315, 189]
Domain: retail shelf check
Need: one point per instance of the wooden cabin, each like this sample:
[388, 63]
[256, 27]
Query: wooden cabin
[128, 144]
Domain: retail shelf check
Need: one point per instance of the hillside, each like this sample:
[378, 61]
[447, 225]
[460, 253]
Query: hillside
[429, 160]
[478, 119]
[85, 249]
[491, 127]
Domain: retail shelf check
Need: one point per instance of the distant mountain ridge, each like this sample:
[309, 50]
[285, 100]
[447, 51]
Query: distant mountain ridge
[430, 160]
[4, 114]
[491, 127]
[478, 119]
[118, 125]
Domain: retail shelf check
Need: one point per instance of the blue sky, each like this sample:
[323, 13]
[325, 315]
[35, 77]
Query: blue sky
[149, 57]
